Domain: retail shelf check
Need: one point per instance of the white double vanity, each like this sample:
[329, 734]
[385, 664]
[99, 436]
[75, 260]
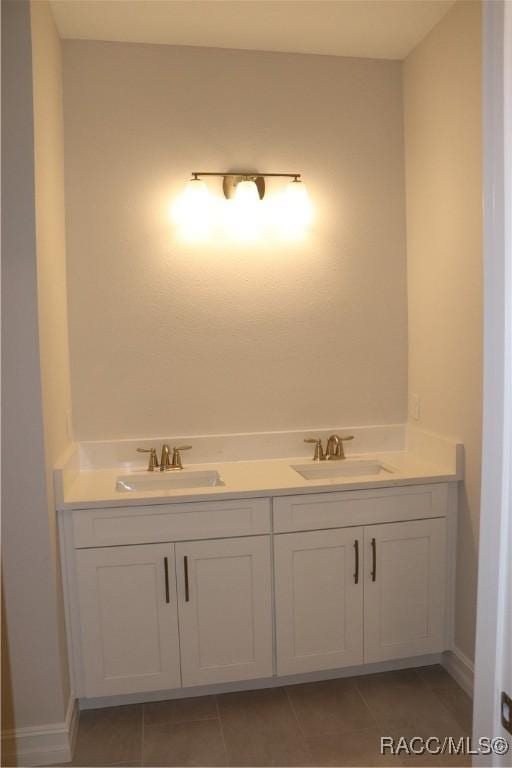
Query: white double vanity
[265, 577]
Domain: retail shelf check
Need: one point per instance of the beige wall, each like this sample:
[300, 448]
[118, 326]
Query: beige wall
[40, 687]
[169, 339]
[288, 337]
[442, 101]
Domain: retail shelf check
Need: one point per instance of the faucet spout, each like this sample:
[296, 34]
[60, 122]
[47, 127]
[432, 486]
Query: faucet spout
[334, 450]
[165, 461]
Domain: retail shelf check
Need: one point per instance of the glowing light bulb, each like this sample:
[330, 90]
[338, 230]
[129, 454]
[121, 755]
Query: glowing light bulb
[192, 211]
[296, 212]
[245, 219]
[246, 193]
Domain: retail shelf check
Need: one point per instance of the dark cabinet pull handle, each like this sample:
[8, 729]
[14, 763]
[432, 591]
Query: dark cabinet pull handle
[374, 559]
[356, 573]
[185, 566]
[166, 571]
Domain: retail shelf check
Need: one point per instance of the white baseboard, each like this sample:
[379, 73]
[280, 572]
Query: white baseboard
[460, 668]
[42, 744]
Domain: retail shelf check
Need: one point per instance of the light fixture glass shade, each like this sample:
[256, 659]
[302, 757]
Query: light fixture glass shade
[245, 218]
[246, 193]
[296, 211]
[193, 211]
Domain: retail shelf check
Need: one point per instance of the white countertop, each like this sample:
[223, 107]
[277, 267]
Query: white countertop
[252, 478]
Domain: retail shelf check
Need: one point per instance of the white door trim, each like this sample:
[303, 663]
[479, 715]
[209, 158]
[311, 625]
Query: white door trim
[496, 508]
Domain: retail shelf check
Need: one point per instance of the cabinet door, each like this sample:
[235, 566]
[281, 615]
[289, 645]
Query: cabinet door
[128, 617]
[319, 600]
[405, 582]
[225, 609]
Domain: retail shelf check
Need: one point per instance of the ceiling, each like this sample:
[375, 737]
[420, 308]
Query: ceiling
[383, 29]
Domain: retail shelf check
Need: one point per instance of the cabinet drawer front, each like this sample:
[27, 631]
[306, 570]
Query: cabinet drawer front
[170, 522]
[347, 508]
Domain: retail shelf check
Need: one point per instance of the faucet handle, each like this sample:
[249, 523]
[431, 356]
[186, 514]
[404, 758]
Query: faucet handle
[176, 455]
[153, 461]
[319, 451]
[348, 437]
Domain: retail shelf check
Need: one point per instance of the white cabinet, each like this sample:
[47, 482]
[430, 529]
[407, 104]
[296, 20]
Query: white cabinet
[225, 609]
[129, 606]
[319, 600]
[404, 589]
[160, 597]
[128, 619]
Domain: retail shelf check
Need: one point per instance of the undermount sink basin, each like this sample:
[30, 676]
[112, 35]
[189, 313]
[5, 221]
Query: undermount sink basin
[168, 481]
[344, 468]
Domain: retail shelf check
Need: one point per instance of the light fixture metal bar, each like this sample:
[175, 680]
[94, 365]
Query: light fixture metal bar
[230, 179]
[196, 174]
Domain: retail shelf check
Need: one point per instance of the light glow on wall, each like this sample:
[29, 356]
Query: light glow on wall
[193, 212]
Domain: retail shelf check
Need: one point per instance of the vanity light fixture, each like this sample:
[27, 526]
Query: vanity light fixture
[289, 213]
[230, 181]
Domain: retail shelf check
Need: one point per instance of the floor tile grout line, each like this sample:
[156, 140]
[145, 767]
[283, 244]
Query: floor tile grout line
[221, 726]
[447, 710]
[294, 713]
[350, 732]
[425, 685]
[378, 723]
[434, 691]
[127, 762]
[142, 734]
[435, 688]
[179, 721]
[301, 729]
[370, 710]
[185, 721]
[375, 722]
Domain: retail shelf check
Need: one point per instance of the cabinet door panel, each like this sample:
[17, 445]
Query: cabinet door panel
[129, 631]
[404, 601]
[226, 622]
[319, 605]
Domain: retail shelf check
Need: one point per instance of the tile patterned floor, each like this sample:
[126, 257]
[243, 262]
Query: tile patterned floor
[333, 723]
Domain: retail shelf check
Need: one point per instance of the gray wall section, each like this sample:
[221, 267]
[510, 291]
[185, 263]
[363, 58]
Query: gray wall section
[39, 688]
